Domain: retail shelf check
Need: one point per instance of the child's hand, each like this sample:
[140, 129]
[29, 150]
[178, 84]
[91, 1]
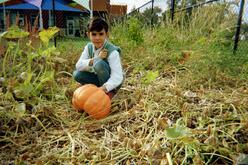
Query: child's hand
[104, 88]
[103, 53]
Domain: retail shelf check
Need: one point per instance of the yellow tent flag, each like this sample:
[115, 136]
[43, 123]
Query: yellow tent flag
[84, 3]
[2, 1]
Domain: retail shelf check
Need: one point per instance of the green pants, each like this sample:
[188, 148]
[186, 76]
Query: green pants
[101, 75]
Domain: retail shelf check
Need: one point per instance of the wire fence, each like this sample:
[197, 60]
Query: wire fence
[157, 12]
[149, 13]
[241, 35]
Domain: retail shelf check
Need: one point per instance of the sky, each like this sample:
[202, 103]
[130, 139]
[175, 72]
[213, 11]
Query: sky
[162, 4]
[137, 3]
[130, 3]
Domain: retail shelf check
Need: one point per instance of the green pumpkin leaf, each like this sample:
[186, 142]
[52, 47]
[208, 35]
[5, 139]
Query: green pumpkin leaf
[48, 76]
[15, 32]
[47, 34]
[24, 90]
[150, 76]
[176, 132]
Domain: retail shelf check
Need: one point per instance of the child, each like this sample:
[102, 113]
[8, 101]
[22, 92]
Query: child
[100, 62]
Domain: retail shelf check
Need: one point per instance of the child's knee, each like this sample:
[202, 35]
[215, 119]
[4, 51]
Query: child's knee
[76, 75]
[100, 65]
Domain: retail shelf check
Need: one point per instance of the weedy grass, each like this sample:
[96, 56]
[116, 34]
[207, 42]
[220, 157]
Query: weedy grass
[184, 99]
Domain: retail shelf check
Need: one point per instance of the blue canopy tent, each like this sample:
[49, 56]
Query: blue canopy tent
[46, 5]
[22, 6]
[58, 6]
[50, 5]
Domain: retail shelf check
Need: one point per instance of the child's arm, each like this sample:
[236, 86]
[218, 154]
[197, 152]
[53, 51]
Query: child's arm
[116, 76]
[102, 55]
[84, 63]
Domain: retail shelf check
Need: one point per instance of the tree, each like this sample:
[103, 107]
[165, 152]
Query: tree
[179, 4]
[150, 14]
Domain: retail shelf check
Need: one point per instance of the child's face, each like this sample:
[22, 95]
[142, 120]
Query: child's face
[98, 38]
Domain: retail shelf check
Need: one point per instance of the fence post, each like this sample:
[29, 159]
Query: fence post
[4, 17]
[91, 9]
[152, 13]
[172, 9]
[236, 40]
[54, 22]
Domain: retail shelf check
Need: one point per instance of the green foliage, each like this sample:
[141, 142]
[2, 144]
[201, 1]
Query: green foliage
[207, 35]
[149, 77]
[32, 70]
[209, 19]
[134, 30]
[14, 32]
[148, 15]
[47, 34]
[176, 132]
[193, 108]
[183, 3]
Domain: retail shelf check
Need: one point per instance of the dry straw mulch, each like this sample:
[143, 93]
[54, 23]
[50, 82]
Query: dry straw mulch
[135, 131]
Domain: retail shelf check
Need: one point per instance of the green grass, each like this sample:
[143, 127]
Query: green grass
[74, 43]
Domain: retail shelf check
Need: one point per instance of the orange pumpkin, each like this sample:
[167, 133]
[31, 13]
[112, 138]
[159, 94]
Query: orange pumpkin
[92, 100]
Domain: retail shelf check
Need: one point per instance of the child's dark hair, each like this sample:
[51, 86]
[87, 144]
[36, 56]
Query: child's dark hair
[97, 24]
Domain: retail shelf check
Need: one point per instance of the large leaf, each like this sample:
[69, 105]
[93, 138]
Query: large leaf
[176, 132]
[24, 90]
[46, 78]
[15, 33]
[47, 34]
[150, 76]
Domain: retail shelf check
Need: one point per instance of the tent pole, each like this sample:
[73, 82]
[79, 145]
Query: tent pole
[4, 17]
[91, 9]
[54, 22]
[49, 18]
[41, 19]
[54, 15]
